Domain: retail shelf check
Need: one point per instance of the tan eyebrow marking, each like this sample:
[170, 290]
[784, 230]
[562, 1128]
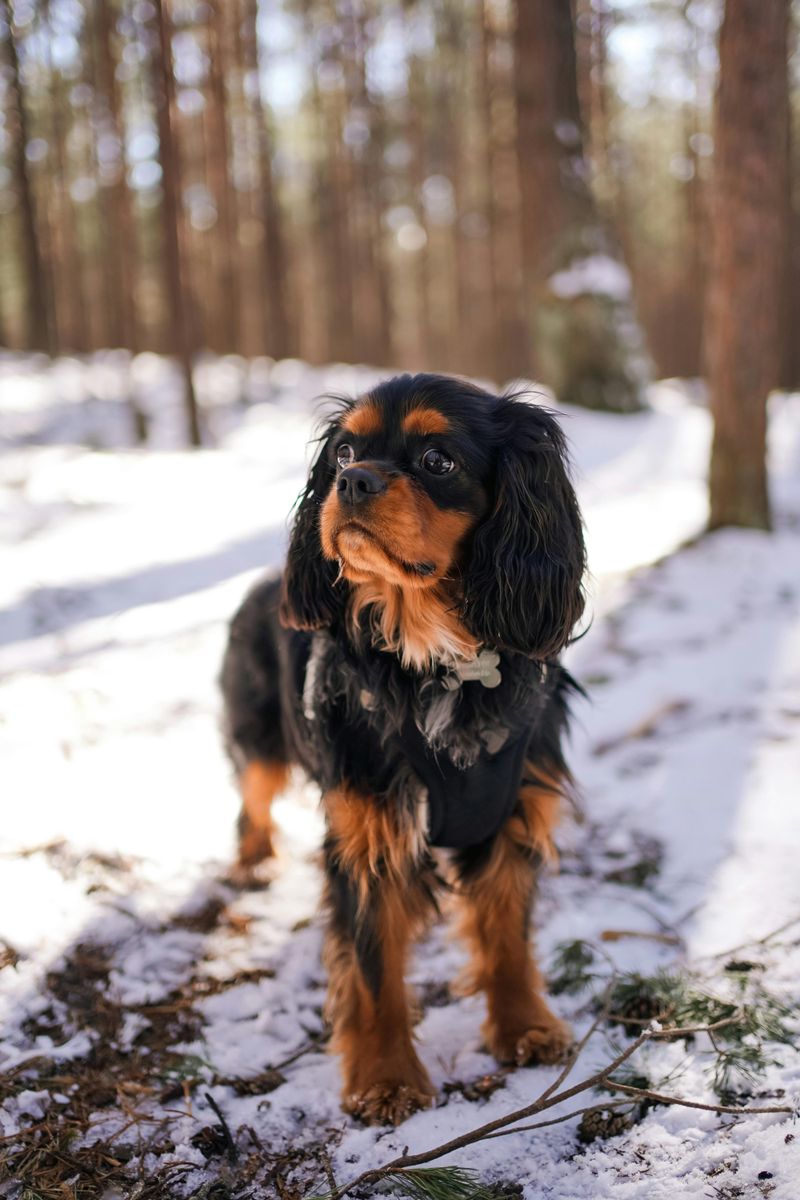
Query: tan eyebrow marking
[363, 420]
[425, 421]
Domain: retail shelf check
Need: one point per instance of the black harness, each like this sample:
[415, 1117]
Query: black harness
[466, 806]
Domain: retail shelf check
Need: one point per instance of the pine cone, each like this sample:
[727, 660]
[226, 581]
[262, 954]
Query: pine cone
[602, 1123]
[638, 1011]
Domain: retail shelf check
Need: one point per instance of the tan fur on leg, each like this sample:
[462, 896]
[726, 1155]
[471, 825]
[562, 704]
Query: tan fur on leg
[259, 783]
[519, 1028]
[384, 1081]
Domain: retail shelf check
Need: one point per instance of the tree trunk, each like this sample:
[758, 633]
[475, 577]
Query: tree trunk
[225, 308]
[748, 243]
[120, 222]
[279, 336]
[585, 340]
[182, 339]
[510, 351]
[38, 335]
[69, 293]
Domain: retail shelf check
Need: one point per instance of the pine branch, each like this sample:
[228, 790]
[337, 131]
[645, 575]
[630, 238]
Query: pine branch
[550, 1098]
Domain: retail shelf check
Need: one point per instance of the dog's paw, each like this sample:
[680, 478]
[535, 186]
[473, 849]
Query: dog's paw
[387, 1103]
[545, 1043]
[255, 845]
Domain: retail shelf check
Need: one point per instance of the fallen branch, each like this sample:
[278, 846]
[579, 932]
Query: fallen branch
[550, 1098]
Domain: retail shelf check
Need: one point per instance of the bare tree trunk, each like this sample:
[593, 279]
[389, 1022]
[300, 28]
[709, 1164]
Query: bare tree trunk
[226, 318]
[510, 355]
[748, 243]
[182, 339]
[69, 299]
[279, 337]
[586, 343]
[38, 334]
[120, 217]
[331, 191]
[371, 284]
[120, 221]
[424, 334]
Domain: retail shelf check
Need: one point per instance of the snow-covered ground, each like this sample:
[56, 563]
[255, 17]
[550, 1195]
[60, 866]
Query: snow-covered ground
[123, 942]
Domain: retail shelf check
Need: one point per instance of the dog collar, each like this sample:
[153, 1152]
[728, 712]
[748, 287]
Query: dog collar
[484, 668]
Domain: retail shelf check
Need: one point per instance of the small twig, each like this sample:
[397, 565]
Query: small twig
[233, 1153]
[762, 941]
[306, 1048]
[581, 1045]
[646, 1094]
[618, 935]
[327, 1167]
[576, 1112]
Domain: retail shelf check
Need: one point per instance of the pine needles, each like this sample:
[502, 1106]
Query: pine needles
[431, 1183]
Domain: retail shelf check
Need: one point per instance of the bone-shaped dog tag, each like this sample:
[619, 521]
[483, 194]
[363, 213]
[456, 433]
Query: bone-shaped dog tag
[483, 668]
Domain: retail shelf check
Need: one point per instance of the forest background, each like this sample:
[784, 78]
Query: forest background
[496, 189]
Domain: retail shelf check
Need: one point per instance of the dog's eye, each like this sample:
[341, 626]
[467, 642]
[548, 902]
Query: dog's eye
[437, 462]
[345, 454]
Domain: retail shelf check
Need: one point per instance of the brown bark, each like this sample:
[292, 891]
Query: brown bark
[748, 244]
[38, 334]
[121, 225]
[69, 299]
[585, 339]
[119, 218]
[554, 193]
[372, 292]
[424, 336]
[330, 198]
[172, 218]
[279, 336]
[511, 356]
[225, 303]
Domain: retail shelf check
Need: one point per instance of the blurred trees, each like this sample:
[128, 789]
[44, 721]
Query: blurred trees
[450, 184]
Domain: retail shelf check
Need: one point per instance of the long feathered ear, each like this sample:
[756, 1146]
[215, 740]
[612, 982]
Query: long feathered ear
[522, 585]
[309, 599]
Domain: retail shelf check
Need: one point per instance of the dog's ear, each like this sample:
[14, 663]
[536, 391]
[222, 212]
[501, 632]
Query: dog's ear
[309, 599]
[522, 584]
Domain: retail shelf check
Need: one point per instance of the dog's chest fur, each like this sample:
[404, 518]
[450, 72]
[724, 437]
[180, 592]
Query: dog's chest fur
[459, 723]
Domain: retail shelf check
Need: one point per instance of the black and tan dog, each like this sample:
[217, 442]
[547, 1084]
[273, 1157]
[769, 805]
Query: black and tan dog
[407, 661]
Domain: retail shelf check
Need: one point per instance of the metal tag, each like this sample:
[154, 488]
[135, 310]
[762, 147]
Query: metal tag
[483, 668]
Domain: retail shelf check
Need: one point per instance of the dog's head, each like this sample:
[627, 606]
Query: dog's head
[430, 487]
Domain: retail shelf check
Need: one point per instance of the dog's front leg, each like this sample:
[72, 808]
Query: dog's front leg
[379, 894]
[496, 895]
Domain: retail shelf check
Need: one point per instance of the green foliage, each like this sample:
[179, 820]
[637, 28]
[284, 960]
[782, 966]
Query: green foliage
[432, 1183]
[572, 970]
[753, 1023]
[440, 1183]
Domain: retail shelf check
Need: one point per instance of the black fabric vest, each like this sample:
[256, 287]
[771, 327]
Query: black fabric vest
[466, 805]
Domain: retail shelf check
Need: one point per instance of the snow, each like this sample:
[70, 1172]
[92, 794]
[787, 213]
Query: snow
[594, 275]
[118, 806]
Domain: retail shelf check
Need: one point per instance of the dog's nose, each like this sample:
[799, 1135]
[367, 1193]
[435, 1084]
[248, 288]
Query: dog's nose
[357, 484]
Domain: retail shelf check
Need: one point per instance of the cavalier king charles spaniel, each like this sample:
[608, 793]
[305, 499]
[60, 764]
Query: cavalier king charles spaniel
[407, 661]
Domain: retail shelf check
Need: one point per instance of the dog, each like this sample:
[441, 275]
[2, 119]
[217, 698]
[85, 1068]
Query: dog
[408, 662]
